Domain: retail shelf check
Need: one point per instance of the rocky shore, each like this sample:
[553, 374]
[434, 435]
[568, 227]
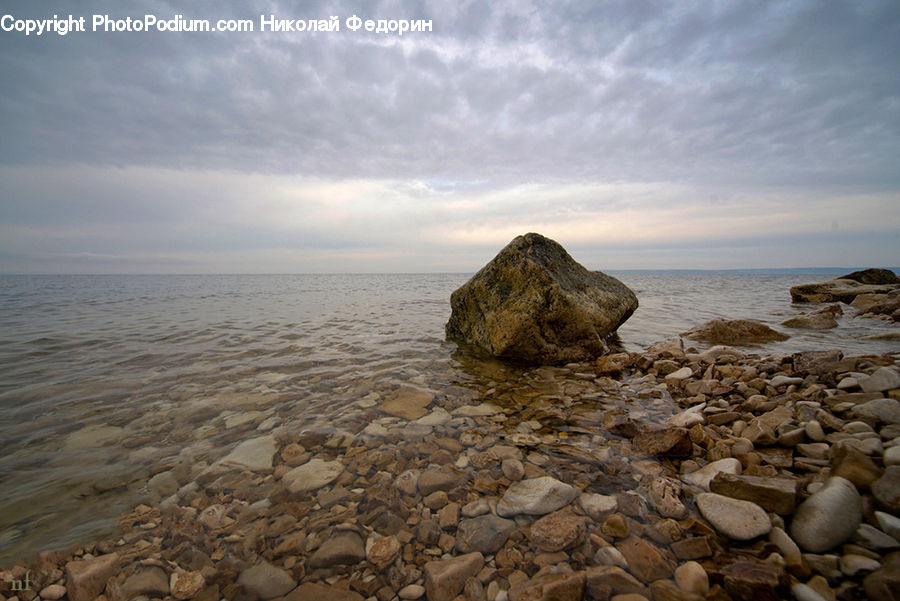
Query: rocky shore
[666, 474]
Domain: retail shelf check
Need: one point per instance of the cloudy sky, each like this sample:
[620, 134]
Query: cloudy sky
[649, 135]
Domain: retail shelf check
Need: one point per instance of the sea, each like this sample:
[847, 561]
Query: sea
[107, 379]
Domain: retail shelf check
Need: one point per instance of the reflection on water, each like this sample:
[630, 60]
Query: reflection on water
[105, 380]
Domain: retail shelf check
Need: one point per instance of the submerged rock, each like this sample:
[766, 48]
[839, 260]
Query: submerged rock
[847, 287]
[734, 331]
[534, 302]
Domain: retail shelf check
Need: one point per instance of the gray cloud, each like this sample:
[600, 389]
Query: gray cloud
[737, 101]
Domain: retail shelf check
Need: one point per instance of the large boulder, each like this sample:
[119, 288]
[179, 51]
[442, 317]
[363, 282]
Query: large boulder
[846, 288]
[533, 302]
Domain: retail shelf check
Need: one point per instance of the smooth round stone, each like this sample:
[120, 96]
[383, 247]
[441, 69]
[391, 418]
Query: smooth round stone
[536, 496]
[737, 519]
[411, 591]
[692, 578]
[829, 517]
[780, 539]
[802, 592]
[814, 431]
[892, 456]
[312, 475]
[53, 592]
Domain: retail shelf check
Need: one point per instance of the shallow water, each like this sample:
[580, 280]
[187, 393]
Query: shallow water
[107, 379]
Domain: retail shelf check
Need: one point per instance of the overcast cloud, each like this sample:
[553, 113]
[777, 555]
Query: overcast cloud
[637, 134]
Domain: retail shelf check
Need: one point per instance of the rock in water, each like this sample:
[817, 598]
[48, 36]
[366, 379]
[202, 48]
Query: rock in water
[533, 302]
[829, 517]
[734, 331]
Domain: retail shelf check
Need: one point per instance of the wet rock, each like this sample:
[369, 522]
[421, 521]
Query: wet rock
[597, 506]
[384, 551]
[705, 474]
[557, 531]
[445, 579]
[187, 585]
[617, 422]
[150, 581]
[313, 591]
[813, 321]
[886, 489]
[550, 587]
[603, 581]
[736, 519]
[343, 549]
[512, 469]
[853, 565]
[533, 302]
[734, 332]
[664, 495]
[265, 581]
[883, 410]
[312, 475]
[411, 591]
[615, 526]
[668, 442]
[434, 480]
[536, 496]
[839, 290]
[255, 455]
[884, 584]
[486, 534]
[827, 518]
[408, 403]
[755, 581]
[778, 495]
[644, 559]
[52, 592]
[692, 578]
[853, 465]
[86, 579]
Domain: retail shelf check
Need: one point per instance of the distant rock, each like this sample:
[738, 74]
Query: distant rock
[734, 331]
[533, 302]
[846, 288]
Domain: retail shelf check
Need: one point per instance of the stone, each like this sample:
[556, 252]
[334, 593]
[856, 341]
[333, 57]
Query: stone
[813, 321]
[644, 559]
[802, 592]
[892, 456]
[692, 578]
[886, 489]
[756, 581]
[312, 475]
[612, 579]
[878, 410]
[86, 579]
[597, 507]
[888, 523]
[838, 290]
[665, 496]
[343, 549]
[150, 581]
[872, 275]
[431, 481]
[705, 474]
[536, 496]
[534, 303]
[486, 534]
[853, 565]
[557, 531]
[188, 584]
[615, 526]
[512, 469]
[734, 332]
[617, 422]
[265, 581]
[667, 442]
[695, 547]
[677, 378]
[736, 519]
[313, 591]
[384, 551]
[408, 403]
[827, 518]
[52, 592]
[407, 482]
[445, 579]
[884, 584]
[847, 462]
[778, 495]
[411, 591]
[550, 587]
[610, 556]
[882, 380]
[255, 455]
[689, 417]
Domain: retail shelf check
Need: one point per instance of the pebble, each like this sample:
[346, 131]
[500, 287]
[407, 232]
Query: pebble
[312, 475]
[53, 592]
[736, 519]
[827, 518]
[692, 578]
[536, 496]
[411, 591]
[266, 581]
[705, 474]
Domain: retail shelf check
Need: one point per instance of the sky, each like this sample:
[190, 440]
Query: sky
[639, 135]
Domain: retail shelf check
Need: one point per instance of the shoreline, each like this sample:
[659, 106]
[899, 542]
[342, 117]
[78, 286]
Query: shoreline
[631, 524]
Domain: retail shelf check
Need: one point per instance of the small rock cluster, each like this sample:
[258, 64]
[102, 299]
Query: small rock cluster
[670, 474]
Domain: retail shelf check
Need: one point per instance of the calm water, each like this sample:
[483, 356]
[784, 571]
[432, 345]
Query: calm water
[104, 377]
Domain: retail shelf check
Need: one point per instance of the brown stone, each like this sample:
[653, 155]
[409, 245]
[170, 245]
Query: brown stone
[85, 579]
[384, 551]
[644, 559]
[612, 578]
[343, 549]
[434, 480]
[668, 442]
[445, 579]
[188, 585]
[850, 463]
[617, 422]
[551, 587]
[408, 403]
[695, 547]
[778, 495]
[755, 581]
[557, 531]
[734, 332]
[151, 581]
[313, 591]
